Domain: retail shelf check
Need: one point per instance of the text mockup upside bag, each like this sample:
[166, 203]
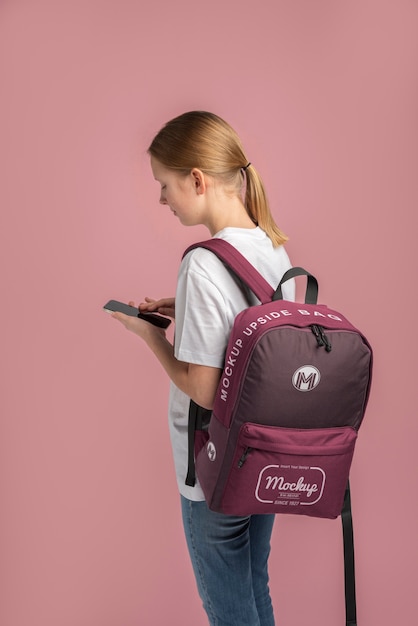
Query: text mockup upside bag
[288, 407]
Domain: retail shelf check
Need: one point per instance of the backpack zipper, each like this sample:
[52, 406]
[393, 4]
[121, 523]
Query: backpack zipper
[244, 457]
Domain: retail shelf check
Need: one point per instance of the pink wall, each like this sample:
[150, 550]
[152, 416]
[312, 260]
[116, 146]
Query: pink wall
[324, 95]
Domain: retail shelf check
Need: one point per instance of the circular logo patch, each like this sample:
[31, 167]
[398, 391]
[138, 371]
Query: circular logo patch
[306, 378]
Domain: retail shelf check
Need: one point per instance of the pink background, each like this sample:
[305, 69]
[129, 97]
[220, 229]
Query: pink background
[324, 96]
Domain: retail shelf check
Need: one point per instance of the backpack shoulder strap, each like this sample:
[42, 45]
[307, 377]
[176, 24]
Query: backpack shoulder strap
[235, 261]
[251, 277]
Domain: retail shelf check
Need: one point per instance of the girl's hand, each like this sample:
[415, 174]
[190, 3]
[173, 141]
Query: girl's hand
[140, 327]
[164, 306]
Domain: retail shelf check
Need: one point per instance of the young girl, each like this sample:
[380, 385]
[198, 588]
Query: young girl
[206, 178]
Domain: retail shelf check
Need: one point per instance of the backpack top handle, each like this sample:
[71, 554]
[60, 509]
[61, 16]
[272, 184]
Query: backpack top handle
[311, 296]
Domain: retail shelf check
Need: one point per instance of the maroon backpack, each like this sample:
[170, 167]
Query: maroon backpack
[288, 407]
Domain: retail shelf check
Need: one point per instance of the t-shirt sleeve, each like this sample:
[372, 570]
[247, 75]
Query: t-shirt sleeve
[202, 325]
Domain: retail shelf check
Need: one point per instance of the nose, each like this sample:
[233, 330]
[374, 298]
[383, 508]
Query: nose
[162, 199]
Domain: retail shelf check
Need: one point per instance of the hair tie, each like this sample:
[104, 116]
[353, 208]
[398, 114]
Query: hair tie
[246, 166]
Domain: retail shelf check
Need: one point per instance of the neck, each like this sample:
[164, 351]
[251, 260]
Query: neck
[229, 213]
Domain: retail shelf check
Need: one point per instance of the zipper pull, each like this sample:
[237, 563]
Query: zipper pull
[321, 338]
[318, 335]
[327, 343]
[244, 457]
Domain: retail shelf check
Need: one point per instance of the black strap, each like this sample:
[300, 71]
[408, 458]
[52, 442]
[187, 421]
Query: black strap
[191, 473]
[311, 296]
[349, 571]
[199, 419]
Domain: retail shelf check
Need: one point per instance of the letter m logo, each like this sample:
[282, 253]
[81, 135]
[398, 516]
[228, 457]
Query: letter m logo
[306, 378]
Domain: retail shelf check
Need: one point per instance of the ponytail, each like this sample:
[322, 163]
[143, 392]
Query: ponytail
[258, 208]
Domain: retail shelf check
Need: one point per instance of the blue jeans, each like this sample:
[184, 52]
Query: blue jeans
[229, 556]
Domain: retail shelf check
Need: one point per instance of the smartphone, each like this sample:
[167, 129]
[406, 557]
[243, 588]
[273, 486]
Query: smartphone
[152, 318]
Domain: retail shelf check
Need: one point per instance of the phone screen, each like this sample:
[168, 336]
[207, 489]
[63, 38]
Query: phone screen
[114, 305]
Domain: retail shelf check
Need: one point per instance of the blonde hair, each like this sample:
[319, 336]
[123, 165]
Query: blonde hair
[205, 141]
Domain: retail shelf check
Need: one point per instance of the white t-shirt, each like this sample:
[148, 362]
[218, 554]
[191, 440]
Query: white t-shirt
[208, 298]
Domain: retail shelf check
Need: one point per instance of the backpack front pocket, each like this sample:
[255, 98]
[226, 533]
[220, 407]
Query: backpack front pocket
[285, 470]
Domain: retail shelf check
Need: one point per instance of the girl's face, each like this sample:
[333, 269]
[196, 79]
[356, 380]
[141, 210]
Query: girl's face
[182, 194]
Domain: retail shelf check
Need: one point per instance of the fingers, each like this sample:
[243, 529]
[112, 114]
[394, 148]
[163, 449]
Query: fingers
[127, 320]
[138, 326]
[121, 317]
[167, 311]
[149, 305]
[165, 306]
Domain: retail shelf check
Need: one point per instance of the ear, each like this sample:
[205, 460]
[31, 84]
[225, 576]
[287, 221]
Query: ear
[199, 181]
